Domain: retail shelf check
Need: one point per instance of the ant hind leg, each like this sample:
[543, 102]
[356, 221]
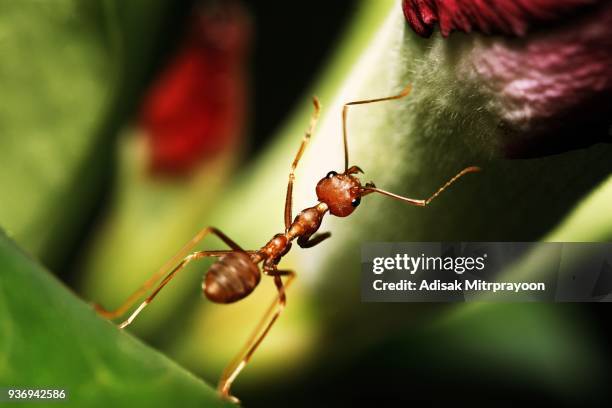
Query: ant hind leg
[257, 336]
[180, 256]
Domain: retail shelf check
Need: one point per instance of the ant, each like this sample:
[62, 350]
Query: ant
[236, 273]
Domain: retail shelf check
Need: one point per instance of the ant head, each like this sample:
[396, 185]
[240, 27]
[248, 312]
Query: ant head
[341, 192]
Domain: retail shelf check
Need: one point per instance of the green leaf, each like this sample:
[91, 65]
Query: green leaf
[54, 57]
[590, 220]
[51, 339]
[70, 73]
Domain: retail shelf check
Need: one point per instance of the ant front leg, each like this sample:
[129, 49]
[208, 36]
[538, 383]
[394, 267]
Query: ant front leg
[308, 241]
[180, 256]
[261, 331]
[402, 94]
[296, 160]
[371, 188]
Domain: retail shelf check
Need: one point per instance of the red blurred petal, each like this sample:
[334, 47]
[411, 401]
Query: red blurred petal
[416, 20]
[510, 17]
[196, 106]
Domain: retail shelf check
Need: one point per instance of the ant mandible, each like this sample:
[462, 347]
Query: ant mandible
[237, 272]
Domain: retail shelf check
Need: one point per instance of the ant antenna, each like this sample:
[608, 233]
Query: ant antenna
[402, 94]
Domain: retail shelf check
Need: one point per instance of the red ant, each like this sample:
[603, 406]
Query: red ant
[236, 273]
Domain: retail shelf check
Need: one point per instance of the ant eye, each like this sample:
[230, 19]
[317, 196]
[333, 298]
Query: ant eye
[331, 174]
[356, 201]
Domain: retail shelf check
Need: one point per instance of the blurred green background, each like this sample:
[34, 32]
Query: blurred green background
[101, 107]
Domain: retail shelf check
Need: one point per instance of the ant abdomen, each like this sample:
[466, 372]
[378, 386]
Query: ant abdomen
[231, 278]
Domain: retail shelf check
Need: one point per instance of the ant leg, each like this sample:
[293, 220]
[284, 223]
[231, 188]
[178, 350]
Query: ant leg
[402, 94]
[261, 330]
[371, 188]
[312, 240]
[298, 156]
[168, 278]
[125, 306]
